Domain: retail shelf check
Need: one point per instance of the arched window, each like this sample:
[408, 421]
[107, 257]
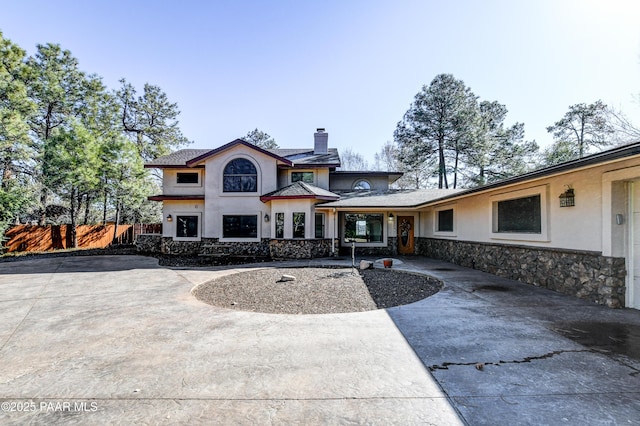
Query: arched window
[240, 175]
[362, 185]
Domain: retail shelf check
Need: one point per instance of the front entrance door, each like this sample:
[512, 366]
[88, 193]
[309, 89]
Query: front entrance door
[634, 245]
[405, 235]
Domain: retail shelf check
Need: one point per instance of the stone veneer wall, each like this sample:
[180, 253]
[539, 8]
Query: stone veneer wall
[276, 249]
[586, 275]
[300, 249]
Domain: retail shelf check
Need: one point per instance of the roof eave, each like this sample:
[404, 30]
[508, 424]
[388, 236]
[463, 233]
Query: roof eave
[593, 160]
[175, 197]
[172, 166]
[266, 198]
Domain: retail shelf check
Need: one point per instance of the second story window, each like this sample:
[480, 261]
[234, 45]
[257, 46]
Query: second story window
[306, 177]
[240, 175]
[187, 178]
[362, 185]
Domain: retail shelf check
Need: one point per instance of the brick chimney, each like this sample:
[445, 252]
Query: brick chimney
[320, 141]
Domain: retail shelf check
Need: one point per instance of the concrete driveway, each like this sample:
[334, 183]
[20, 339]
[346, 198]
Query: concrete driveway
[119, 340]
[507, 353]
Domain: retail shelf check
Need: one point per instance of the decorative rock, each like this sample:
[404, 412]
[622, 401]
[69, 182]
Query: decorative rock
[286, 277]
[365, 264]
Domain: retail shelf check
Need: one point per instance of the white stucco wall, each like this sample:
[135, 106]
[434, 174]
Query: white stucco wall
[583, 227]
[219, 203]
[170, 185]
[178, 208]
[320, 177]
[288, 207]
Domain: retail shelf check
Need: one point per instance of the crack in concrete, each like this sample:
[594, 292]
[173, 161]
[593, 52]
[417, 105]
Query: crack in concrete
[446, 365]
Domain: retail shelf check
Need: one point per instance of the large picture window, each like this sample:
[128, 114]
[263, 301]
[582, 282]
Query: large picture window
[364, 228]
[298, 224]
[240, 175]
[445, 220]
[186, 226]
[240, 226]
[519, 215]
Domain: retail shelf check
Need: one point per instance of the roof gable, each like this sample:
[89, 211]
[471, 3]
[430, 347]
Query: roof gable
[199, 159]
[299, 190]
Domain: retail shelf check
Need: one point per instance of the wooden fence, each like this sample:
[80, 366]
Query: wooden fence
[57, 237]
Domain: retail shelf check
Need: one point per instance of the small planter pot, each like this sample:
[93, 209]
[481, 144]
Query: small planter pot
[388, 263]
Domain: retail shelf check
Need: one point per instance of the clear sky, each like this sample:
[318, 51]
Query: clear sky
[353, 67]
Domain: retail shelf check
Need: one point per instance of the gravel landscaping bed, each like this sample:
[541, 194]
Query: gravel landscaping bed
[316, 290]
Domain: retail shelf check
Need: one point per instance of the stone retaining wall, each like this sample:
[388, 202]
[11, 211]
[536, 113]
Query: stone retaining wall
[300, 249]
[276, 249]
[586, 275]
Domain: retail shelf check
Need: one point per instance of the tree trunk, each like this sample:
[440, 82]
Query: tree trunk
[115, 228]
[73, 214]
[104, 207]
[42, 221]
[442, 170]
[87, 209]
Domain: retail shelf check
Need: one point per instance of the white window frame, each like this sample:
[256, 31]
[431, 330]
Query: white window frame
[305, 223]
[343, 230]
[175, 226]
[226, 161]
[357, 181]
[258, 215]
[315, 224]
[438, 209]
[543, 236]
[315, 175]
[189, 185]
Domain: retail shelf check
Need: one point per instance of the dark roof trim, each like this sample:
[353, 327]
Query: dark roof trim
[266, 198]
[172, 166]
[175, 197]
[619, 153]
[361, 173]
[295, 165]
[194, 161]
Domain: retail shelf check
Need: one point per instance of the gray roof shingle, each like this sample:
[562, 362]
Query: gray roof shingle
[300, 190]
[176, 159]
[393, 198]
[298, 156]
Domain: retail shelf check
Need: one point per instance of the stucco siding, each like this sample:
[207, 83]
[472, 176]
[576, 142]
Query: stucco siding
[170, 185]
[577, 228]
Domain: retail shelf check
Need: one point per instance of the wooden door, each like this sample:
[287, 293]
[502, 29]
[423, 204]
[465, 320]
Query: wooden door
[405, 235]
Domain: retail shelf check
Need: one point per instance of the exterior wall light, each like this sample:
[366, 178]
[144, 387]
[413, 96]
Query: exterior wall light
[169, 218]
[568, 198]
[390, 217]
[266, 217]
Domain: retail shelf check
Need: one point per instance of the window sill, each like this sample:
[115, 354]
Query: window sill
[239, 240]
[541, 238]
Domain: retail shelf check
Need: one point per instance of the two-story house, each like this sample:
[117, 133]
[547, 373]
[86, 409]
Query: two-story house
[244, 200]
[573, 227]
